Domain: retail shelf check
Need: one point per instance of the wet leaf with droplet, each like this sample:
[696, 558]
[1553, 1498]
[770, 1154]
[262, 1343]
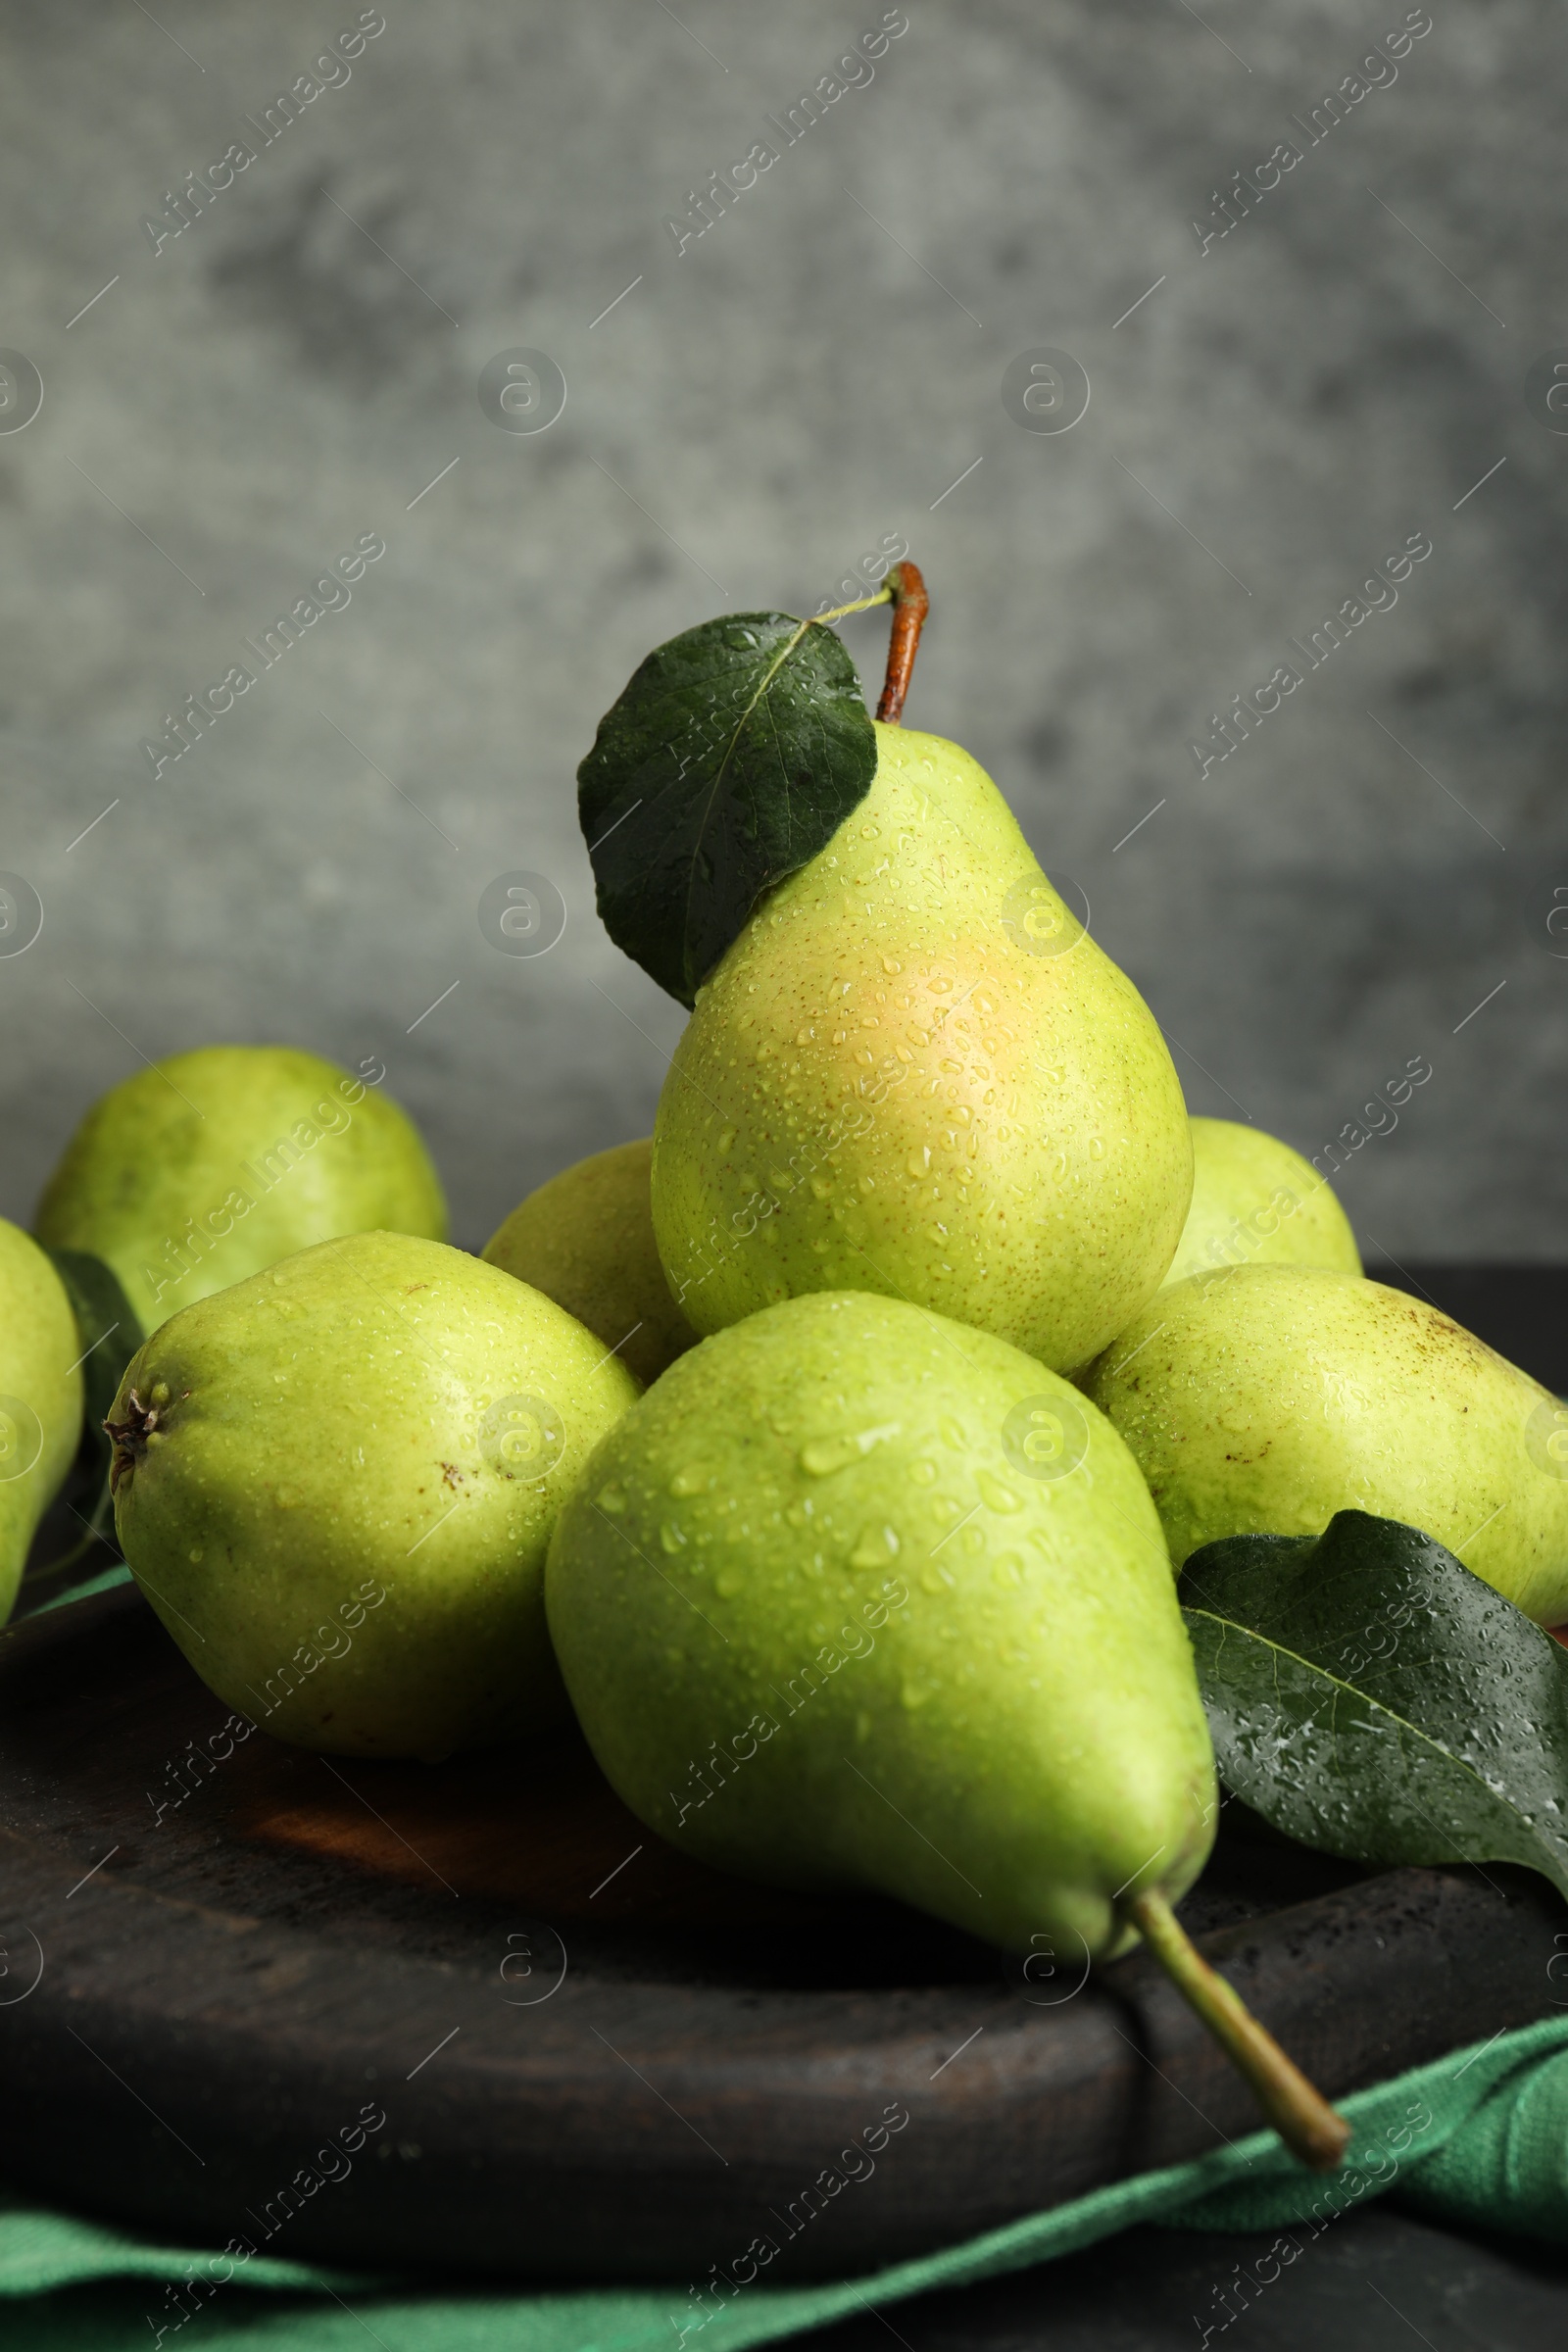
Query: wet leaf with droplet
[729, 761]
[1370, 1696]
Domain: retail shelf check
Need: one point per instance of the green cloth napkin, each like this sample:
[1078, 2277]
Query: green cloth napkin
[104, 1581]
[1479, 2137]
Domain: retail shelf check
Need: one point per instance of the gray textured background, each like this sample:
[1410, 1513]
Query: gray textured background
[746, 424]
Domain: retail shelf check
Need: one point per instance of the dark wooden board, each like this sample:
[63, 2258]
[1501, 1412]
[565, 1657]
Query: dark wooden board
[594, 2058]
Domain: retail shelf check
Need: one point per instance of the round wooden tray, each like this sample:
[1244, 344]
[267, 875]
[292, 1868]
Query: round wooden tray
[474, 2015]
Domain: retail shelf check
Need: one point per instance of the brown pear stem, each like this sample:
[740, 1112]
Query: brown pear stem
[1300, 2115]
[911, 605]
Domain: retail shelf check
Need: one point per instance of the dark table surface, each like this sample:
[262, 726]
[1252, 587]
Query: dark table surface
[1377, 2281]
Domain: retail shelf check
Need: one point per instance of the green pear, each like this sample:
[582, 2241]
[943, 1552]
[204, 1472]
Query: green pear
[907, 1572]
[1257, 1202]
[40, 1398]
[211, 1165]
[586, 1240]
[1263, 1400]
[914, 1072]
[336, 1483]
[859, 1598]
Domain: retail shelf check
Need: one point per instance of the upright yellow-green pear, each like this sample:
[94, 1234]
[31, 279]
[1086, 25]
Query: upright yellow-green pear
[585, 1238]
[914, 1072]
[1257, 1202]
[335, 1482]
[208, 1167]
[40, 1398]
[1263, 1400]
[859, 1599]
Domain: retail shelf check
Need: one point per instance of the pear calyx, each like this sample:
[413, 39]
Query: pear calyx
[130, 1437]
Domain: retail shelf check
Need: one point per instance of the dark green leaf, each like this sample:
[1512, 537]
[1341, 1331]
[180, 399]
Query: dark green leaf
[1370, 1696]
[730, 759]
[110, 1335]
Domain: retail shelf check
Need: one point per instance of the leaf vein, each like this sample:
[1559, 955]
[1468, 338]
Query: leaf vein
[1340, 1687]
